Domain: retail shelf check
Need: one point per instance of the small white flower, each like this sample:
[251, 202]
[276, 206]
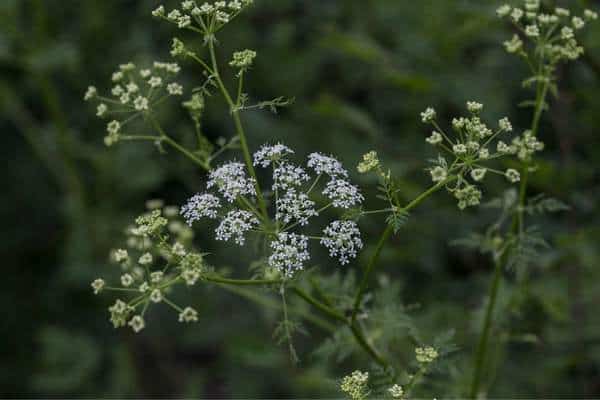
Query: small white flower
[174, 89]
[289, 253]
[145, 73]
[90, 93]
[156, 276]
[505, 124]
[567, 33]
[145, 259]
[578, 23]
[125, 97]
[137, 323]
[113, 127]
[101, 110]
[222, 16]
[513, 45]
[287, 176]
[178, 249]
[235, 224]
[502, 147]
[132, 87]
[184, 21]
[117, 90]
[435, 138]
[323, 164]
[231, 181]
[159, 11]
[438, 174]
[428, 115]
[144, 287]
[562, 12]
[295, 206]
[187, 5]
[141, 103]
[174, 15]
[126, 280]
[459, 149]
[271, 153]
[200, 205]
[503, 10]
[342, 238]
[190, 276]
[532, 30]
[478, 174]
[98, 285]
[342, 194]
[590, 15]
[516, 14]
[117, 76]
[474, 106]
[512, 175]
[155, 81]
[484, 154]
[156, 296]
[188, 315]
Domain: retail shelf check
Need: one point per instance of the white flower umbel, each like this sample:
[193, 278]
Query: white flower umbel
[343, 194]
[137, 323]
[231, 181]
[323, 164]
[200, 205]
[342, 238]
[290, 252]
[235, 225]
[271, 153]
[287, 176]
[294, 206]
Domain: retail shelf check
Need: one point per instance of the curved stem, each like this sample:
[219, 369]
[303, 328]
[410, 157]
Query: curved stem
[320, 306]
[384, 237]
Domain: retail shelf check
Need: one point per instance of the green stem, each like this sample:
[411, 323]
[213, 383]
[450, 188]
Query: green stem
[238, 127]
[383, 239]
[166, 138]
[242, 282]
[487, 325]
[320, 306]
[517, 226]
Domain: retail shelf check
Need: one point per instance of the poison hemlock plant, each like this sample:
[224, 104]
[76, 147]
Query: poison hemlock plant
[159, 256]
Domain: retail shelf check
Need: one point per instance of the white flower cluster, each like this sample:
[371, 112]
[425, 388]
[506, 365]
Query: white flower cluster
[235, 224]
[295, 206]
[206, 15]
[200, 205]
[231, 181]
[135, 91]
[268, 154]
[292, 203]
[290, 251]
[355, 385]
[154, 259]
[342, 238]
[555, 31]
[470, 146]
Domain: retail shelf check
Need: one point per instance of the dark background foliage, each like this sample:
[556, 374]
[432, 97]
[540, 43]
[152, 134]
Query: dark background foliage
[360, 71]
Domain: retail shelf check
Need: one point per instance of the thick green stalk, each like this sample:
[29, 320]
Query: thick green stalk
[517, 226]
[238, 127]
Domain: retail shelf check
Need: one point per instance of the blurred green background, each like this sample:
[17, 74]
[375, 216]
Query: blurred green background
[360, 71]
